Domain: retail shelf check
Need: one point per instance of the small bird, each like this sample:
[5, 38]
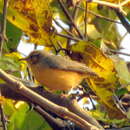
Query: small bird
[57, 72]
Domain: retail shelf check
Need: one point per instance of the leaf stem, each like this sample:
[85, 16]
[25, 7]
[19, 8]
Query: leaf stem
[3, 26]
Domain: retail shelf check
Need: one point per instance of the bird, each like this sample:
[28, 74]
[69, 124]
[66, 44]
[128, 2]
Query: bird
[57, 72]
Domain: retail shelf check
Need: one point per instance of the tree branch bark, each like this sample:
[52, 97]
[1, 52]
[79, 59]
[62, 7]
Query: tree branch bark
[44, 103]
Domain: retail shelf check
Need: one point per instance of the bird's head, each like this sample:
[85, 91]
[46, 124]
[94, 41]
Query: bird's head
[34, 57]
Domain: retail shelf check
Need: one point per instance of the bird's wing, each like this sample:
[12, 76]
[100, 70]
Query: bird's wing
[63, 63]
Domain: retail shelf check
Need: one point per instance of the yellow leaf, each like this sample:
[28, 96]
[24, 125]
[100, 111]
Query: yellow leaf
[2, 99]
[128, 88]
[106, 83]
[34, 17]
[92, 32]
[16, 56]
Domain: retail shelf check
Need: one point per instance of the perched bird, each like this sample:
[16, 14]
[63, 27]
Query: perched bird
[57, 72]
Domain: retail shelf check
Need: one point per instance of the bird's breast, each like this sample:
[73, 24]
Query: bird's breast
[56, 79]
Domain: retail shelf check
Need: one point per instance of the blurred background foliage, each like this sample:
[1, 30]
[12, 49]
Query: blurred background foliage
[84, 31]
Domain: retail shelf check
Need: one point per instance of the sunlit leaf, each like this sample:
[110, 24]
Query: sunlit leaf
[122, 70]
[22, 118]
[32, 17]
[33, 121]
[107, 81]
[9, 108]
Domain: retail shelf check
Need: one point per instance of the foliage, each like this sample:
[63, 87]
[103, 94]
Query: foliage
[88, 33]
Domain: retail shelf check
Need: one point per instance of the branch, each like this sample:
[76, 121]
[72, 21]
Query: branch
[118, 52]
[55, 123]
[68, 37]
[44, 103]
[70, 18]
[111, 5]
[2, 39]
[125, 22]
[3, 118]
[125, 2]
[57, 99]
[85, 18]
[100, 16]
[71, 27]
[74, 107]
[124, 128]
[58, 24]
[3, 26]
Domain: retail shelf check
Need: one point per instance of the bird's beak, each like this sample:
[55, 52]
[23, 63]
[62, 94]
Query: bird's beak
[26, 58]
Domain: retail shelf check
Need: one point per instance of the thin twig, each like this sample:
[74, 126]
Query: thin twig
[118, 52]
[58, 24]
[70, 18]
[111, 5]
[68, 37]
[35, 46]
[2, 40]
[122, 38]
[3, 120]
[85, 18]
[125, 2]
[125, 22]
[92, 101]
[50, 119]
[74, 14]
[59, 44]
[100, 16]
[3, 26]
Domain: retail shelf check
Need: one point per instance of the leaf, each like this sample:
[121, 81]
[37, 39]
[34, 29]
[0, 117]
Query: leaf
[21, 118]
[122, 70]
[32, 17]
[33, 121]
[100, 115]
[13, 34]
[11, 64]
[104, 85]
[17, 118]
[121, 92]
[107, 29]
[92, 32]
[9, 108]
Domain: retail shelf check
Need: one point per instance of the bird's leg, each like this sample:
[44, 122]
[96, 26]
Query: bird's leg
[73, 93]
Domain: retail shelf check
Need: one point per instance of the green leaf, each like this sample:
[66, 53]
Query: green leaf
[18, 117]
[13, 35]
[9, 108]
[10, 65]
[34, 121]
[122, 70]
[98, 43]
[121, 91]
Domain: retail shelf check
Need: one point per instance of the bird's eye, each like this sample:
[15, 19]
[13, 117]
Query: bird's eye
[34, 59]
[31, 57]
